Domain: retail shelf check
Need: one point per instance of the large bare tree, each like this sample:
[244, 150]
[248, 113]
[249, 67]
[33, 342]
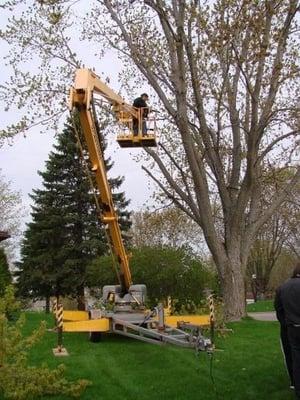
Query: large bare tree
[226, 77]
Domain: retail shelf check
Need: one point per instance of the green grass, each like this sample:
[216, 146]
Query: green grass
[260, 306]
[248, 366]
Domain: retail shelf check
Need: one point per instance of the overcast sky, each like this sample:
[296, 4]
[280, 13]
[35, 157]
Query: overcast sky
[24, 156]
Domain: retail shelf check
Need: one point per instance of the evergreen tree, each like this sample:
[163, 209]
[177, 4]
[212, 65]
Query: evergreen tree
[65, 234]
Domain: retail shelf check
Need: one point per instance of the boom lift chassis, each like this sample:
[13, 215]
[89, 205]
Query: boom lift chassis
[129, 317]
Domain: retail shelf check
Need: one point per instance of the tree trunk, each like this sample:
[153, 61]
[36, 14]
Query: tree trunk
[233, 288]
[80, 299]
[254, 289]
[47, 308]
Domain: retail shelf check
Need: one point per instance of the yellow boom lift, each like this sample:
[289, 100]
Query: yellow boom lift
[129, 316]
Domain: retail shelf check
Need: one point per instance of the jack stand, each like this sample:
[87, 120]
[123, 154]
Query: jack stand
[60, 352]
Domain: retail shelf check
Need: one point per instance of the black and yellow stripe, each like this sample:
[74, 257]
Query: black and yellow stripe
[59, 316]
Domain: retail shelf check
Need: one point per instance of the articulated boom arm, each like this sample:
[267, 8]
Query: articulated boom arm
[86, 82]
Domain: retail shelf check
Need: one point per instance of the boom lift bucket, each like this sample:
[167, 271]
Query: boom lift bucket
[136, 132]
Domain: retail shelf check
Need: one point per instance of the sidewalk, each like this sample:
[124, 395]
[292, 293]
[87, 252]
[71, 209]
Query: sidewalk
[263, 316]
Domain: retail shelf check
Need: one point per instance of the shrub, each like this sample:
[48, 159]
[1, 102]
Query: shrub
[18, 380]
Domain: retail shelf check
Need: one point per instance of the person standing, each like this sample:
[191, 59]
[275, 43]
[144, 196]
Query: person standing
[287, 306]
[141, 104]
[284, 340]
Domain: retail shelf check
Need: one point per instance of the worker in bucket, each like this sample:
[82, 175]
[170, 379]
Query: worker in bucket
[140, 103]
[287, 306]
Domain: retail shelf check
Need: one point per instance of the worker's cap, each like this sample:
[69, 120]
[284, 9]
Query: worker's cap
[144, 95]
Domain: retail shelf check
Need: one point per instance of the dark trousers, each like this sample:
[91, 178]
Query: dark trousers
[135, 127]
[287, 351]
[294, 339]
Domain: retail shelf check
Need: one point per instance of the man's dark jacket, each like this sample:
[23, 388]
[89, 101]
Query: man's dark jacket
[140, 103]
[287, 302]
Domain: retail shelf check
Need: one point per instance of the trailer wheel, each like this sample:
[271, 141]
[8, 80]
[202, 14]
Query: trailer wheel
[95, 337]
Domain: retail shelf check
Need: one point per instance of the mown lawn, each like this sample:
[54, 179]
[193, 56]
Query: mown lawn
[247, 366]
[260, 306]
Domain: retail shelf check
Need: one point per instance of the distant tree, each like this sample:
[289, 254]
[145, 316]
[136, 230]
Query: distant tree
[264, 254]
[165, 271]
[10, 214]
[5, 275]
[65, 234]
[276, 235]
[294, 242]
[293, 225]
[282, 270]
[166, 227]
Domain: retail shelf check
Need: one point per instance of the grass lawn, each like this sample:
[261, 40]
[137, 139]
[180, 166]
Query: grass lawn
[249, 367]
[262, 305]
